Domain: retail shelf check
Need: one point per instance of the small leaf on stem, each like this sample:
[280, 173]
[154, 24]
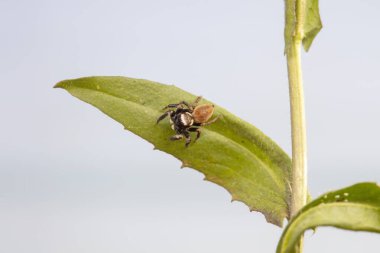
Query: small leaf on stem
[301, 24]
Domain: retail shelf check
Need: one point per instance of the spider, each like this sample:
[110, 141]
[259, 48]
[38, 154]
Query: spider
[185, 118]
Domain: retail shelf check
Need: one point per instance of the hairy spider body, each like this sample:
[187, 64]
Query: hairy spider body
[185, 118]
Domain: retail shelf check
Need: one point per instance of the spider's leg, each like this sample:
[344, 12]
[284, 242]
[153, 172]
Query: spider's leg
[163, 116]
[196, 101]
[176, 137]
[188, 138]
[195, 129]
[211, 121]
[180, 104]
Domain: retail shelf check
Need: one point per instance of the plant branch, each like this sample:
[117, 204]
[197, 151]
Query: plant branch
[299, 149]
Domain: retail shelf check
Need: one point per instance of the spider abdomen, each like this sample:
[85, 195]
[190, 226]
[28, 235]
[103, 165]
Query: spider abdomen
[202, 113]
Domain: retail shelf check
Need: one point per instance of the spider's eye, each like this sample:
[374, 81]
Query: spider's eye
[202, 113]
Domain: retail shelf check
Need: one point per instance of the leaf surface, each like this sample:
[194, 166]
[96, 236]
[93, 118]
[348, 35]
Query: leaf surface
[354, 208]
[231, 152]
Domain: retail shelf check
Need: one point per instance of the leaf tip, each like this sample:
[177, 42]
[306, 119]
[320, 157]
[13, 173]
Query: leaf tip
[62, 84]
[308, 40]
[58, 85]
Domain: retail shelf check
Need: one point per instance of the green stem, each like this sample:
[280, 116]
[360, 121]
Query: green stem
[299, 158]
[299, 149]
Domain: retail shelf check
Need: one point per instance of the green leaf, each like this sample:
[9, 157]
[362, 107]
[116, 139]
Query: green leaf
[313, 23]
[353, 208]
[231, 152]
[310, 20]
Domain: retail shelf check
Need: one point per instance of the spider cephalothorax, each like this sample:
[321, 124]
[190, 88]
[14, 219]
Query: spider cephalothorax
[185, 118]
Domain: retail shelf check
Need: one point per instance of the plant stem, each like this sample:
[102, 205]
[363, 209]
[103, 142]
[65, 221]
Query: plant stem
[299, 159]
[299, 149]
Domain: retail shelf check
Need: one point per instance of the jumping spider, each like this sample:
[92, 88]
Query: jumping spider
[185, 118]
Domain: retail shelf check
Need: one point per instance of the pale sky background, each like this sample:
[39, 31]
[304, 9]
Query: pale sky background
[72, 180]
